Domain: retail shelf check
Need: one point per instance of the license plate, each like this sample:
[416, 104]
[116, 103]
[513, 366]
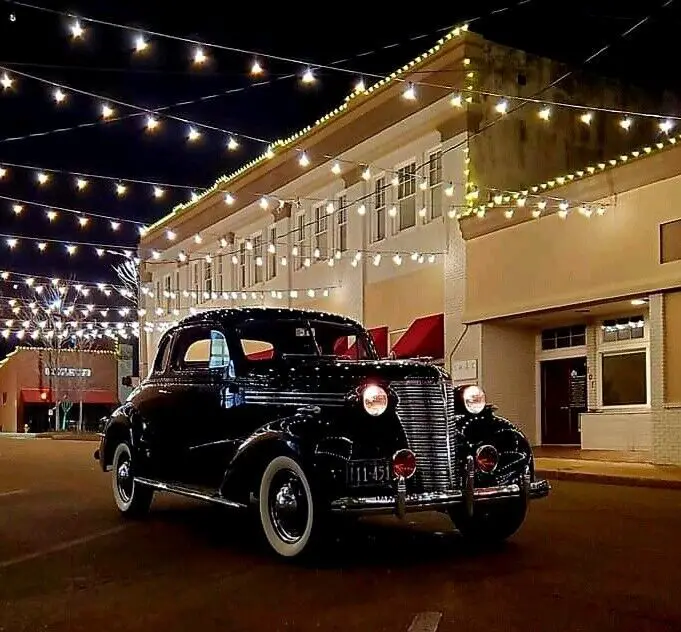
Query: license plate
[368, 472]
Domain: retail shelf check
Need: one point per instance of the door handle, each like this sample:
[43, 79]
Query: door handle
[314, 410]
[565, 408]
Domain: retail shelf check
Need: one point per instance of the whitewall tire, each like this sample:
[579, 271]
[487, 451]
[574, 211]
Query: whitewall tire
[131, 499]
[287, 512]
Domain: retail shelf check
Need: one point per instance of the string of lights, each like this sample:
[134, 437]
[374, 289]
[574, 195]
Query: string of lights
[42, 244]
[81, 287]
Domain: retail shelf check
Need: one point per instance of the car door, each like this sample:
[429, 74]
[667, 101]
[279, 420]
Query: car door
[201, 394]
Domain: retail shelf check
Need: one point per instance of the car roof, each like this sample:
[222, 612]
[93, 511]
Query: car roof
[233, 316]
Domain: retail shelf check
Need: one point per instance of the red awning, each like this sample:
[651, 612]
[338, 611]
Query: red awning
[424, 338]
[380, 337]
[36, 396]
[92, 396]
[267, 354]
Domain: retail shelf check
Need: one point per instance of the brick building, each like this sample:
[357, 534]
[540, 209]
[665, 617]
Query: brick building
[33, 380]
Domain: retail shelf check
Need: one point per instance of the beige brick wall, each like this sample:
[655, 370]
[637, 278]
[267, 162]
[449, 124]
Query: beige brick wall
[508, 374]
[666, 416]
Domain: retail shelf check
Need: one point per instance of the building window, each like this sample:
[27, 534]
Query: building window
[166, 292]
[378, 229]
[624, 378]
[300, 240]
[623, 329]
[177, 289]
[220, 274]
[563, 337]
[320, 245]
[406, 195]
[207, 280]
[342, 224]
[257, 259]
[272, 253]
[242, 279]
[623, 363]
[435, 183]
[196, 282]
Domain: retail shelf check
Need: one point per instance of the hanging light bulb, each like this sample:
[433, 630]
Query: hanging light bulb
[666, 126]
[42, 178]
[199, 57]
[171, 235]
[83, 221]
[360, 86]
[361, 209]
[308, 76]
[304, 161]
[193, 134]
[158, 192]
[545, 113]
[107, 111]
[586, 118]
[410, 93]
[17, 208]
[625, 123]
[232, 144]
[76, 30]
[42, 246]
[141, 44]
[264, 204]
[198, 239]
[256, 68]
[501, 107]
[12, 243]
[229, 199]
[456, 101]
[6, 81]
[366, 174]
[51, 215]
[59, 95]
[120, 189]
[71, 250]
[336, 168]
[115, 225]
[152, 123]
[81, 184]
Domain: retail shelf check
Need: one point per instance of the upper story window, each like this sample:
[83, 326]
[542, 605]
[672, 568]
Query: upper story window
[406, 195]
[257, 259]
[242, 278]
[435, 183]
[207, 279]
[196, 281]
[166, 292]
[378, 224]
[220, 274]
[272, 253]
[342, 224]
[177, 289]
[321, 238]
[623, 329]
[563, 337]
[300, 240]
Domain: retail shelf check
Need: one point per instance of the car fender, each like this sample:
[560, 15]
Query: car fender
[121, 426]
[293, 436]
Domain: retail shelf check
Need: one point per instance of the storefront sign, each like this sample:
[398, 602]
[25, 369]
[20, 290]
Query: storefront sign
[65, 371]
[464, 370]
[577, 390]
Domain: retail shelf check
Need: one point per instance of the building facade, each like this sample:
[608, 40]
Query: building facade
[362, 213]
[33, 381]
[583, 330]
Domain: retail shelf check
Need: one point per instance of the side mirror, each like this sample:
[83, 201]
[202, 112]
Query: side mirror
[126, 381]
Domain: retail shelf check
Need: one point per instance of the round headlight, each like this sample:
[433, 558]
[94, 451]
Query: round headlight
[474, 399]
[375, 400]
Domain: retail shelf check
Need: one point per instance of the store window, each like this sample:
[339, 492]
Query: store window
[378, 228]
[435, 183]
[623, 362]
[563, 337]
[321, 235]
[406, 195]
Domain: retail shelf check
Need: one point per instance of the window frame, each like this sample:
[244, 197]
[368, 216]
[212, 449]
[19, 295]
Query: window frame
[271, 272]
[207, 281]
[434, 188]
[320, 218]
[623, 347]
[341, 223]
[242, 267]
[402, 195]
[300, 232]
[379, 193]
[176, 338]
[167, 288]
[258, 272]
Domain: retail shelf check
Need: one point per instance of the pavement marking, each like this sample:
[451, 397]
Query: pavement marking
[62, 546]
[12, 492]
[425, 622]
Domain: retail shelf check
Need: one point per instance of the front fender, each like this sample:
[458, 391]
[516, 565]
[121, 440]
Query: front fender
[289, 436]
[121, 426]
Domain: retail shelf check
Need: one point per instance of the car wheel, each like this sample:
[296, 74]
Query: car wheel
[131, 499]
[287, 512]
[490, 523]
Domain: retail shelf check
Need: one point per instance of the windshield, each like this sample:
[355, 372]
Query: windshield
[267, 340]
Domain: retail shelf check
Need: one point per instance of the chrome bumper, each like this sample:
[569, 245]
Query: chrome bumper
[402, 503]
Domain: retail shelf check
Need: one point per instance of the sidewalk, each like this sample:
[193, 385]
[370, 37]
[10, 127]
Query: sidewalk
[609, 472]
[63, 436]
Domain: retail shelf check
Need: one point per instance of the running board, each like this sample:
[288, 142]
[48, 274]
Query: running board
[188, 492]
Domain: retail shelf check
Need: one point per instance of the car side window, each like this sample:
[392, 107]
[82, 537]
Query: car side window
[161, 360]
[200, 348]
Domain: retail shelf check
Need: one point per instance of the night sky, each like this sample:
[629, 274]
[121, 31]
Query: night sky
[103, 62]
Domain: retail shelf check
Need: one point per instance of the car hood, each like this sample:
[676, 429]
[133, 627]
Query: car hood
[322, 375]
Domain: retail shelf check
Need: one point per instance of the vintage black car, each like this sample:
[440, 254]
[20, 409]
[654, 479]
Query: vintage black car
[293, 413]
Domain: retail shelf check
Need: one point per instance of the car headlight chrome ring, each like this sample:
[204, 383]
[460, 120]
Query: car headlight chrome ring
[474, 399]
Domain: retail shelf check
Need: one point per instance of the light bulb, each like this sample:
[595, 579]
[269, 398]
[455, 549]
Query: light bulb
[308, 76]
[6, 81]
[410, 93]
[336, 168]
[256, 68]
[107, 111]
[360, 86]
[232, 144]
[76, 30]
[586, 118]
[199, 57]
[501, 107]
[304, 160]
[140, 44]
[81, 184]
[193, 134]
[158, 192]
[152, 123]
[42, 178]
[625, 123]
[59, 95]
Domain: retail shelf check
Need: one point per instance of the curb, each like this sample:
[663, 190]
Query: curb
[610, 479]
[47, 435]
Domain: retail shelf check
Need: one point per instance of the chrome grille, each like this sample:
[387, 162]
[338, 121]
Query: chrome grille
[426, 412]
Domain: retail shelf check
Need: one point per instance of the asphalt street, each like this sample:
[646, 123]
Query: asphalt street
[590, 557]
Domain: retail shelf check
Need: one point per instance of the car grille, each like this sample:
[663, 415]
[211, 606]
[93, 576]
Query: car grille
[426, 412]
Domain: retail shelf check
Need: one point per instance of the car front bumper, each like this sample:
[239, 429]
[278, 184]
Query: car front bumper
[401, 503]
